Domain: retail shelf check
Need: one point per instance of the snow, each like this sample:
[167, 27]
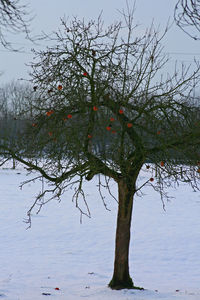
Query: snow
[77, 258]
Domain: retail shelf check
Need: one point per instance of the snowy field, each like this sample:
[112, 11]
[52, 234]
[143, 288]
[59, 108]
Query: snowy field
[59, 252]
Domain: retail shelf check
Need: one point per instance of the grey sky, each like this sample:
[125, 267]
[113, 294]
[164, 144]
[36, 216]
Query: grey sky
[47, 18]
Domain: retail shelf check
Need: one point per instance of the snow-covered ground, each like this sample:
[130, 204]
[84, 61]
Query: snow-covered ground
[59, 252]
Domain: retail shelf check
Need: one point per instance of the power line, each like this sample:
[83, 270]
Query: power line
[183, 53]
[29, 52]
[42, 45]
[16, 51]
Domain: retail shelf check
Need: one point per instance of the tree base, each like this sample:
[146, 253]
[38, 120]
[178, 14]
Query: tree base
[120, 285]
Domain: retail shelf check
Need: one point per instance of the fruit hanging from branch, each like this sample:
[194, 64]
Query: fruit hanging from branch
[95, 108]
[49, 113]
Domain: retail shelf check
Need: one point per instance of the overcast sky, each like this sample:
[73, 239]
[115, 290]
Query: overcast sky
[47, 18]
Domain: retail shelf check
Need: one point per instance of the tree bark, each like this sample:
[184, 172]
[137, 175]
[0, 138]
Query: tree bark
[121, 277]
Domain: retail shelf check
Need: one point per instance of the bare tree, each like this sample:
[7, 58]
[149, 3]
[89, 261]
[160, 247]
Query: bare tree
[104, 109]
[187, 17]
[14, 18]
[15, 110]
[17, 98]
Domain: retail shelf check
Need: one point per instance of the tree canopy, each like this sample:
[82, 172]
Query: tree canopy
[187, 17]
[98, 92]
[14, 18]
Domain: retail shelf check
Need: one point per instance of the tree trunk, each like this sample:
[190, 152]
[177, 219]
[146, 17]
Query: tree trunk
[14, 164]
[121, 278]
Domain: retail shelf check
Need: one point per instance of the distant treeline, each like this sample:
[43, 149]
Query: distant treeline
[15, 133]
[17, 118]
